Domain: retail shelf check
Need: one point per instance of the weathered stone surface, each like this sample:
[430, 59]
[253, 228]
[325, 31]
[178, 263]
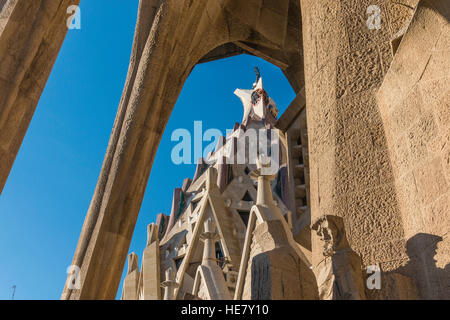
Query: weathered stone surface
[414, 103]
[131, 281]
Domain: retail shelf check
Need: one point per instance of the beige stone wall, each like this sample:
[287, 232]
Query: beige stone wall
[415, 104]
[351, 172]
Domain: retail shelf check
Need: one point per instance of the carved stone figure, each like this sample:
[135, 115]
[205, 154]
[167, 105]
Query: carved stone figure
[339, 275]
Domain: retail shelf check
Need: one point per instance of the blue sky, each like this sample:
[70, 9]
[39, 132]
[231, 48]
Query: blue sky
[44, 202]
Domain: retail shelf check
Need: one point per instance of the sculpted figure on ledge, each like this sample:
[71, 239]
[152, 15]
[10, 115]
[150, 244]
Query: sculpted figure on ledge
[339, 274]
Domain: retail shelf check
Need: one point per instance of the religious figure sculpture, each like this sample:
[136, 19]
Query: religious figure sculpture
[339, 274]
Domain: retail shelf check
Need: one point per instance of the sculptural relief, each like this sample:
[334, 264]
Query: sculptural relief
[339, 274]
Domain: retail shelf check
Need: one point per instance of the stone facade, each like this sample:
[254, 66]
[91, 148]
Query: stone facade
[367, 139]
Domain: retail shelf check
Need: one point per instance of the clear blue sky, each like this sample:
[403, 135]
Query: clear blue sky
[44, 202]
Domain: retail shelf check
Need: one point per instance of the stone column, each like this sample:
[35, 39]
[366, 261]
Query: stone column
[210, 281]
[169, 285]
[151, 265]
[163, 55]
[414, 103]
[346, 57]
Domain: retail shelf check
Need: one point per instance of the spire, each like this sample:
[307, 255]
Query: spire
[132, 262]
[152, 233]
[257, 104]
[258, 76]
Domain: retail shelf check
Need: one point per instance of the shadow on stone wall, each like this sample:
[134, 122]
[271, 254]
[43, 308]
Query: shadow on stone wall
[419, 278]
[431, 281]
[440, 6]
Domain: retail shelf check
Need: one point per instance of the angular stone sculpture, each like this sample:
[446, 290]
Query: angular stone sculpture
[131, 282]
[272, 266]
[149, 281]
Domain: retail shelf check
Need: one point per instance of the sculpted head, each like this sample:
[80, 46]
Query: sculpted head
[331, 232]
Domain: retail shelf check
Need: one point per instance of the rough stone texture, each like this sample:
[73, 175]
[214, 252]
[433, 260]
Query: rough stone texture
[352, 172]
[415, 105]
[28, 52]
[209, 283]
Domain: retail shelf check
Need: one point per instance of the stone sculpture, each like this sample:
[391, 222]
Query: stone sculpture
[339, 274]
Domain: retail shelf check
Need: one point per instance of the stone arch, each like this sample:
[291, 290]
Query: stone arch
[164, 53]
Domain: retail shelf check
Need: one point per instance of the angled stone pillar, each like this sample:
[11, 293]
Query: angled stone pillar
[154, 81]
[273, 266]
[131, 281]
[31, 35]
[151, 266]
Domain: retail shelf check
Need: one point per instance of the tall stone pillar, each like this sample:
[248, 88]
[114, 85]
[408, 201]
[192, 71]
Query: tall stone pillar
[131, 281]
[347, 50]
[151, 265]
